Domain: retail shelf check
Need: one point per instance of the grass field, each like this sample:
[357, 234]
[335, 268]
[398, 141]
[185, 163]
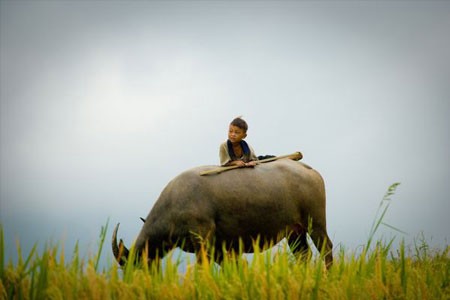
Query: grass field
[377, 272]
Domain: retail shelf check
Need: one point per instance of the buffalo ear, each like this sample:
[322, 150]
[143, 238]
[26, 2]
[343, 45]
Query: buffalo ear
[143, 220]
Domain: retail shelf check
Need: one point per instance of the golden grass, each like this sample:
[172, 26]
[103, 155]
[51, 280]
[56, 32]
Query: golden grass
[379, 272]
[275, 274]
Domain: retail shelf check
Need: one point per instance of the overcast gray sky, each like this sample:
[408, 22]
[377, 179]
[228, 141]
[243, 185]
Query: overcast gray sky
[103, 103]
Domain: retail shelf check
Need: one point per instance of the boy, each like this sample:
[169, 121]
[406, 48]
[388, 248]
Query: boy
[235, 151]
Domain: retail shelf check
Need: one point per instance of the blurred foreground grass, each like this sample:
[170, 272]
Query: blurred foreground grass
[379, 272]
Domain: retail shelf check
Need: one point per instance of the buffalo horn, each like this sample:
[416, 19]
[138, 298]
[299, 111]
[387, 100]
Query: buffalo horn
[119, 250]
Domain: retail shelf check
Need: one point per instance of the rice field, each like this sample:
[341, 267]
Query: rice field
[377, 272]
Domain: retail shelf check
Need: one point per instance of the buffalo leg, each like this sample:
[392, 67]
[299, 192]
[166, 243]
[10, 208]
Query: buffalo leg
[323, 244]
[298, 244]
[203, 241]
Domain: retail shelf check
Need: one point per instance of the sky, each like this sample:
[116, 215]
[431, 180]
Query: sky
[102, 103]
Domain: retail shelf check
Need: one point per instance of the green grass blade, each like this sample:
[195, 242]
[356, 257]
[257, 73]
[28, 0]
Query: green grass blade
[380, 213]
[103, 232]
[394, 228]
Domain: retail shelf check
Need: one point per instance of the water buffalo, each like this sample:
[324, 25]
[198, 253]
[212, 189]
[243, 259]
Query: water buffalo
[271, 201]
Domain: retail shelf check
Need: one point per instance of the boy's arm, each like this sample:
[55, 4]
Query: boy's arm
[224, 156]
[252, 154]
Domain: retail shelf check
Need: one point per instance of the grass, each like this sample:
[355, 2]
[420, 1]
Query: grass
[381, 272]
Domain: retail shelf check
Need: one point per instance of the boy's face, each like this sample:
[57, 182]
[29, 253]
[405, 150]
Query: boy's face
[236, 134]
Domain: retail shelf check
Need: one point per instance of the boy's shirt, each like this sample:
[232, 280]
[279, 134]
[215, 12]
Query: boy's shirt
[225, 156]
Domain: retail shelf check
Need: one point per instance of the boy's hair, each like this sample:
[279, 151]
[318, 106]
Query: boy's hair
[239, 122]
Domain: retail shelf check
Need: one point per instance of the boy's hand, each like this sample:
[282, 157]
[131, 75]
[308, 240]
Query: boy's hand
[250, 164]
[239, 163]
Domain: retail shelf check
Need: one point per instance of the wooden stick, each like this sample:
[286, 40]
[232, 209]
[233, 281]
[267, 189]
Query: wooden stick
[294, 156]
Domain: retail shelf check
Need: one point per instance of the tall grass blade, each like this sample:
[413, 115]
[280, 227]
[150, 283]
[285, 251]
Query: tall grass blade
[130, 267]
[317, 280]
[380, 213]
[403, 277]
[42, 269]
[103, 232]
[394, 228]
